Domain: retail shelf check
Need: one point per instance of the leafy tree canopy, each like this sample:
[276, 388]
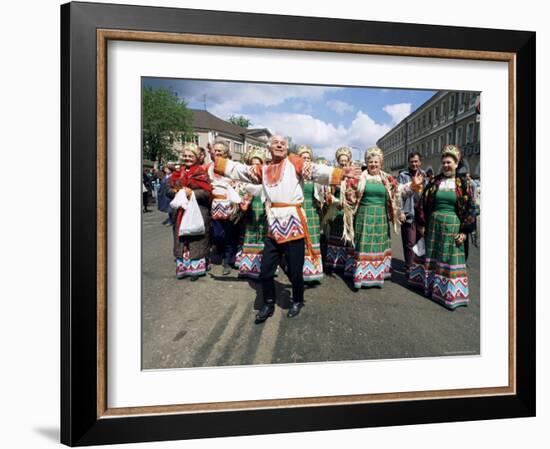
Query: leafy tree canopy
[240, 120]
[165, 118]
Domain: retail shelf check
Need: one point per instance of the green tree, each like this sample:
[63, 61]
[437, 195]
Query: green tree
[240, 120]
[165, 118]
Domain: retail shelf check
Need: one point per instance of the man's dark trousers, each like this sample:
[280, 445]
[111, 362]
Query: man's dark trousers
[409, 236]
[294, 252]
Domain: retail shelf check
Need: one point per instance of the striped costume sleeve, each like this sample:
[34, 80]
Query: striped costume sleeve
[326, 175]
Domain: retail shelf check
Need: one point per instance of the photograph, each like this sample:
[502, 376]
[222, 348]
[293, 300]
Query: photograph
[304, 252]
[293, 223]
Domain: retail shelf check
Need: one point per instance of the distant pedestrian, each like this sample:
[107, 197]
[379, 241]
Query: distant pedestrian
[145, 190]
[163, 202]
[409, 232]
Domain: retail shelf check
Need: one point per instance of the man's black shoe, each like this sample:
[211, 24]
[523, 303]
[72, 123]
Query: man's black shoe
[294, 309]
[265, 312]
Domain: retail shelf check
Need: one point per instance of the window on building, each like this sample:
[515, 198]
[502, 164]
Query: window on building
[472, 102]
[470, 133]
[449, 137]
[461, 102]
[459, 136]
[452, 103]
[443, 111]
[436, 113]
[434, 145]
[440, 146]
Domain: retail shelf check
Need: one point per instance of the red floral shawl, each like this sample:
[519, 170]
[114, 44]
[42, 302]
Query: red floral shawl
[194, 177]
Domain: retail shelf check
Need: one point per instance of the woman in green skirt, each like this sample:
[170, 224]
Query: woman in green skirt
[446, 214]
[313, 263]
[376, 206]
[249, 260]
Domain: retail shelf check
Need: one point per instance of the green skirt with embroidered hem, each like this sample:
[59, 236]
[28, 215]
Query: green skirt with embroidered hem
[249, 260]
[442, 271]
[371, 262]
[313, 264]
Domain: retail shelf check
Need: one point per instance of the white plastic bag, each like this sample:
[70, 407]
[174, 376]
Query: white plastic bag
[420, 248]
[233, 196]
[191, 222]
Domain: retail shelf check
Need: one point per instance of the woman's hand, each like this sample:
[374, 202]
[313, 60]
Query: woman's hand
[416, 183]
[351, 172]
[460, 238]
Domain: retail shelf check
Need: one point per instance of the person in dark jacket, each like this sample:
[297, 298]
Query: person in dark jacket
[163, 200]
[409, 232]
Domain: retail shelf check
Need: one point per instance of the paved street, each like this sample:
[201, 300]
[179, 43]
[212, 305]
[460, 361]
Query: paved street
[210, 322]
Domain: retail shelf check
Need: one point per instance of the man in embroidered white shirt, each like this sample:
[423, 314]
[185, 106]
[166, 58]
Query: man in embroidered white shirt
[287, 231]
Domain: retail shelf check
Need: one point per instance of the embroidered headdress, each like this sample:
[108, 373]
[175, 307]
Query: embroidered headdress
[452, 151]
[254, 153]
[304, 149]
[374, 151]
[343, 151]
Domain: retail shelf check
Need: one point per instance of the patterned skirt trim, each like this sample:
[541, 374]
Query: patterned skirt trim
[337, 256]
[313, 265]
[441, 274]
[190, 267]
[370, 269]
[249, 264]
[447, 286]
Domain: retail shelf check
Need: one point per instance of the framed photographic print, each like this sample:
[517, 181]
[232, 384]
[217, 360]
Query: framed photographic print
[281, 224]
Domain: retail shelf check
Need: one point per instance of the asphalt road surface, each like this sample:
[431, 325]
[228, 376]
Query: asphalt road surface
[210, 322]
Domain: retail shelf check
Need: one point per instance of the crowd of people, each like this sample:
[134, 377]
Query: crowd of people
[311, 218]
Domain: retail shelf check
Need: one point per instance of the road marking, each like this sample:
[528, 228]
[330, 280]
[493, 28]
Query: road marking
[266, 346]
[227, 336]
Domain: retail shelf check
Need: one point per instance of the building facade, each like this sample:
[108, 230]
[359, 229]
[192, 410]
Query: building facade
[449, 117]
[207, 128]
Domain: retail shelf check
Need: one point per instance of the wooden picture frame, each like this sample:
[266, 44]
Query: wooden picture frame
[86, 29]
